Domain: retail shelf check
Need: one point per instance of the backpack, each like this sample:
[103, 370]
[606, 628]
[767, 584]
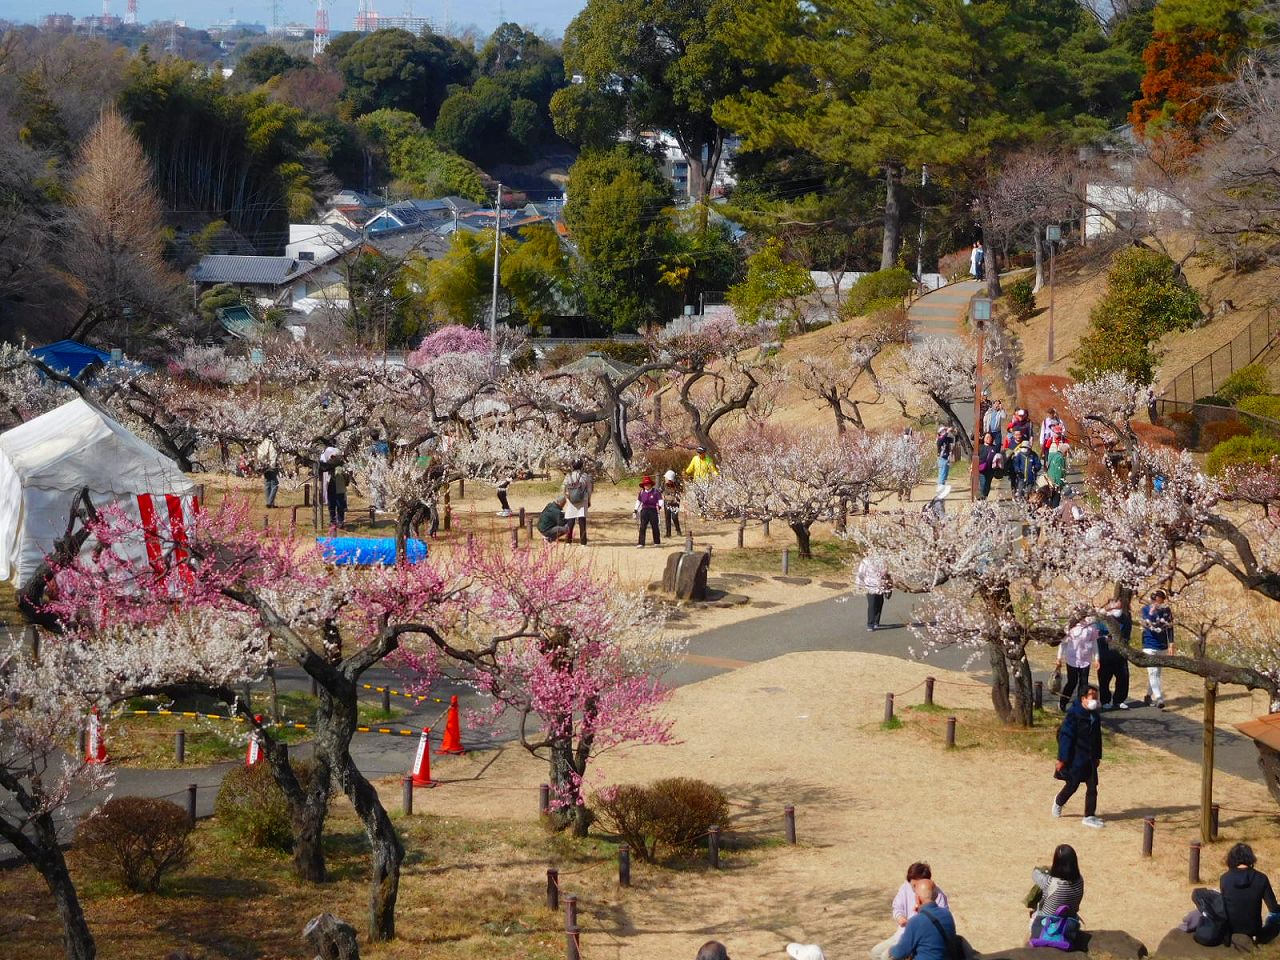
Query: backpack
[1212, 929]
[575, 488]
[1058, 931]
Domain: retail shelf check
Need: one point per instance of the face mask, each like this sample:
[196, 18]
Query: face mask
[1091, 704]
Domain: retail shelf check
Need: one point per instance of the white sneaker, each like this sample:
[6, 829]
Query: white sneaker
[503, 513]
[1057, 809]
[1095, 822]
[1123, 706]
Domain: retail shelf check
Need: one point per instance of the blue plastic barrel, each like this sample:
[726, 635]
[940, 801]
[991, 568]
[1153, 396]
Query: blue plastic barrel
[368, 551]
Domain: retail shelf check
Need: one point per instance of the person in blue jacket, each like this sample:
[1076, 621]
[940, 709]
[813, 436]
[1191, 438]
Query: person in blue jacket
[1079, 754]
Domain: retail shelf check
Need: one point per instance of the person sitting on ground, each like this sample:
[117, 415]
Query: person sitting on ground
[905, 906]
[712, 950]
[931, 933]
[805, 951]
[1244, 891]
[551, 522]
[1061, 885]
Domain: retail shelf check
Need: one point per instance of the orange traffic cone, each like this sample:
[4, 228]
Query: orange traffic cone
[452, 730]
[421, 771]
[95, 747]
[253, 756]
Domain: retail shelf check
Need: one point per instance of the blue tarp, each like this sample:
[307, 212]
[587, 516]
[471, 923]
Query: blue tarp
[368, 551]
[70, 357]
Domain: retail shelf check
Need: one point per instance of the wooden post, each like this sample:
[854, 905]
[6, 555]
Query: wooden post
[544, 799]
[742, 531]
[306, 494]
[1039, 695]
[1208, 832]
[406, 795]
[688, 542]
[951, 733]
[515, 538]
[462, 488]
[191, 802]
[180, 747]
[888, 708]
[521, 523]
[1148, 835]
[789, 822]
[570, 912]
[713, 847]
[624, 867]
[1193, 863]
[765, 524]
[786, 560]
[1214, 820]
[928, 691]
[386, 699]
[553, 888]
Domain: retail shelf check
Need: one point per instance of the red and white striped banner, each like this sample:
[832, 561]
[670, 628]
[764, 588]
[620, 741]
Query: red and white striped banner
[166, 517]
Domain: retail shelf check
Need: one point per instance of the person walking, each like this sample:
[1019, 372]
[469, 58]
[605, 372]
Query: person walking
[576, 491]
[1079, 651]
[931, 933]
[648, 504]
[987, 454]
[671, 501]
[1157, 641]
[701, 466]
[1061, 887]
[268, 457]
[1019, 429]
[503, 486]
[1079, 755]
[946, 446]
[874, 580]
[1024, 469]
[1113, 668]
[977, 260]
[1055, 468]
[1049, 427]
[993, 422]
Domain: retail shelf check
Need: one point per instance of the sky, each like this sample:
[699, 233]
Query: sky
[543, 16]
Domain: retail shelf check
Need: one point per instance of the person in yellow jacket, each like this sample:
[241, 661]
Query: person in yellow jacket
[701, 467]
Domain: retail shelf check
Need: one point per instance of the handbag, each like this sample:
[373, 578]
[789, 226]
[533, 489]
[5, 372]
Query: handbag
[1055, 682]
[1033, 897]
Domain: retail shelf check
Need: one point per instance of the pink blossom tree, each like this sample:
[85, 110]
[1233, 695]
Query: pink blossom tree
[452, 338]
[803, 476]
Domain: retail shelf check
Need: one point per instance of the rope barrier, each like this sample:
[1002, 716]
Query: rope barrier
[181, 713]
[397, 732]
[400, 693]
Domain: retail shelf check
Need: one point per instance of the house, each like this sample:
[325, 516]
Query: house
[1114, 197]
[273, 281]
[320, 242]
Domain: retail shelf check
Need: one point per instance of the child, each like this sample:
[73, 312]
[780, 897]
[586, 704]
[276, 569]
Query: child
[648, 503]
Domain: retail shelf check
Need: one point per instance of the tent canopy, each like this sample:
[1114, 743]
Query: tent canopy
[45, 462]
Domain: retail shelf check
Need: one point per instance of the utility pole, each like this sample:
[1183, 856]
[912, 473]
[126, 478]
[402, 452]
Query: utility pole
[497, 255]
[1052, 233]
[924, 182]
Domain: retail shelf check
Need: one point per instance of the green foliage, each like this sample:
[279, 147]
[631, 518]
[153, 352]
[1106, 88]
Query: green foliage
[1241, 451]
[216, 297]
[1262, 405]
[253, 808]
[456, 286]
[1144, 301]
[773, 288]
[137, 840]
[537, 274]
[418, 164]
[617, 216]
[264, 62]
[1248, 381]
[394, 69]
[1021, 300]
[674, 813]
[477, 123]
[877, 291]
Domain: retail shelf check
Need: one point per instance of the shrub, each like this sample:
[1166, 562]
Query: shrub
[1213, 400]
[954, 266]
[659, 460]
[891, 324]
[1248, 381]
[674, 813]
[688, 807]
[138, 840]
[253, 807]
[1185, 428]
[876, 291]
[1021, 299]
[634, 352]
[1212, 434]
[1239, 451]
[1262, 405]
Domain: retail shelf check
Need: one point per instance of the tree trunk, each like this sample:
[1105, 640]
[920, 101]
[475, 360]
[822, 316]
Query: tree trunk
[567, 814]
[1000, 683]
[801, 530]
[76, 938]
[308, 846]
[962, 429]
[892, 216]
[388, 852]
[1023, 693]
[990, 273]
[308, 808]
[1039, 253]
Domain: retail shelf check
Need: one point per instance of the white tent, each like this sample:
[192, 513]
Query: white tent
[45, 462]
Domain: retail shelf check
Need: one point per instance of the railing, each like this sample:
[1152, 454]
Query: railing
[1192, 423]
[1205, 376]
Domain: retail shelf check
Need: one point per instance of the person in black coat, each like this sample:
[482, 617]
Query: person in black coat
[1112, 666]
[1244, 891]
[1079, 753]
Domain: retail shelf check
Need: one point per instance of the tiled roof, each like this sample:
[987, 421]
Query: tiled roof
[271, 271]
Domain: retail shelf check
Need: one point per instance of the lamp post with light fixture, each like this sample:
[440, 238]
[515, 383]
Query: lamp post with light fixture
[980, 315]
[1052, 233]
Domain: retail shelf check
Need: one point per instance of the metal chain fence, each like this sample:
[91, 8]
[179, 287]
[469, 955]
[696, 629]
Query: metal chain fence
[1204, 377]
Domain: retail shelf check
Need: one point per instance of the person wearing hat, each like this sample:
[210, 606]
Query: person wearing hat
[1019, 429]
[805, 951]
[648, 503]
[1025, 468]
[671, 501]
[701, 467]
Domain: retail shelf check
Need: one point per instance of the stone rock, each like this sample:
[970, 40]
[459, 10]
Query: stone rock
[833, 585]
[331, 938]
[1109, 943]
[685, 576]
[1178, 945]
[795, 581]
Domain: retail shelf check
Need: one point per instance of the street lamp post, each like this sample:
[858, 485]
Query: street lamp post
[980, 314]
[1052, 233]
